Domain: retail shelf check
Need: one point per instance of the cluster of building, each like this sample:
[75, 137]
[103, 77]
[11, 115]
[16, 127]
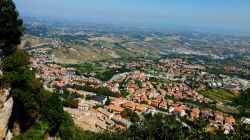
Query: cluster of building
[59, 44]
[236, 69]
[156, 88]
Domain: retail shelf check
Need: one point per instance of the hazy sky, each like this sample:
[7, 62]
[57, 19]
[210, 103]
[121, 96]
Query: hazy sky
[220, 14]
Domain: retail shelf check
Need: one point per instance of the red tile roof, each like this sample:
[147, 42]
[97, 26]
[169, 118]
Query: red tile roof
[144, 98]
[230, 120]
[115, 108]
[129, 105]
[163, 104]
[140, 107]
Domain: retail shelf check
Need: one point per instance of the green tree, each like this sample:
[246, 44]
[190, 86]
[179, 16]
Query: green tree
[243, 102]
[70, 102]
[53, 114]
[37, 132]
[27, 45]
[156, 127]
[10, 27]
[130, 115]
[242, 131]
[107, 102]
[26, 90]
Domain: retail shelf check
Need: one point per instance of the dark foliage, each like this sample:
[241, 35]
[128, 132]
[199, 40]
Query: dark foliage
[243, 102]
[10, 27]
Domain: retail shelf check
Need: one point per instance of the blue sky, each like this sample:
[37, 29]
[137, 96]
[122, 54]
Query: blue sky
[217, 14]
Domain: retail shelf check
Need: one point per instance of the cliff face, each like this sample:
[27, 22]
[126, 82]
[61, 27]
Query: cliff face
[6, 105]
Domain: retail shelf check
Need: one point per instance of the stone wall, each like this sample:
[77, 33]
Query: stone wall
[5, 112]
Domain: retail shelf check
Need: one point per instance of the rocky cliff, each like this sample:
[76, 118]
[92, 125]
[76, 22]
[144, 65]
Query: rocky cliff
[6, 105]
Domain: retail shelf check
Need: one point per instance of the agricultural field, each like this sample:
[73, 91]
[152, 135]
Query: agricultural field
[218, 94]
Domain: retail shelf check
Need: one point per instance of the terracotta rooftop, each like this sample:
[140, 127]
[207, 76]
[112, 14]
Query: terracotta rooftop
[144, 98]
[115, 108]
[103, 111]
[140, 107]
[178, 109]
[230, 120]
[163, 104]
[129, 104]
[119, 127]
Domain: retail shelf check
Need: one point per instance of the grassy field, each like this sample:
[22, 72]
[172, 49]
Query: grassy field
[86, 67]
[101, 73]
[219, 94]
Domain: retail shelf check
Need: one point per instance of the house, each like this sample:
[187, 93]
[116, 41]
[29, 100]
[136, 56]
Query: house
[119, 127]
[214, 124]
[115, 108]
[156, 101]
[195, 113]
[207, 113]
[139, 91]
[119, 120]
[171, 109]
[60, 86]
[246, 121]
[150, 95]
[151, 109]
[140, 108]
[144, 98]
[100, 99]
[218, 117]
[118, 101]
[101, 125]
[105, 112]
[86, 105]
[130, 105]
[227, 128]
[230, 120]
[109, 122]
[163, 105]
[180, 111]
[131, 90]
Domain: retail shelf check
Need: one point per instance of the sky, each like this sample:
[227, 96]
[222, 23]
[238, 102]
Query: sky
[216, 14]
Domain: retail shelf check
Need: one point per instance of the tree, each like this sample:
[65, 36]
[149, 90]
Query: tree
[156, 127]
[53, 114]
[68, 131]
[20, 58]
[10, 27]
[27, 45]
[243, 101]
[28, 108]
[70, 102]
[37, 132]
[107, 102]
[130, 115]
[242, 131]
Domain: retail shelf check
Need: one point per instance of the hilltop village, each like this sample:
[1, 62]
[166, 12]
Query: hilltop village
[166, 86]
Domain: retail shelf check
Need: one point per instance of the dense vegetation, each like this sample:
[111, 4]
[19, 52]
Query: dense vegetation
[243, 102]
[10, 27]
[160, 127]
[230, 73]
[130, 115]
[101, 91]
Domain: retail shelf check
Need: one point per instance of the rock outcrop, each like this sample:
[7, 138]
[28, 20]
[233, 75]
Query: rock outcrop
[6, 105]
